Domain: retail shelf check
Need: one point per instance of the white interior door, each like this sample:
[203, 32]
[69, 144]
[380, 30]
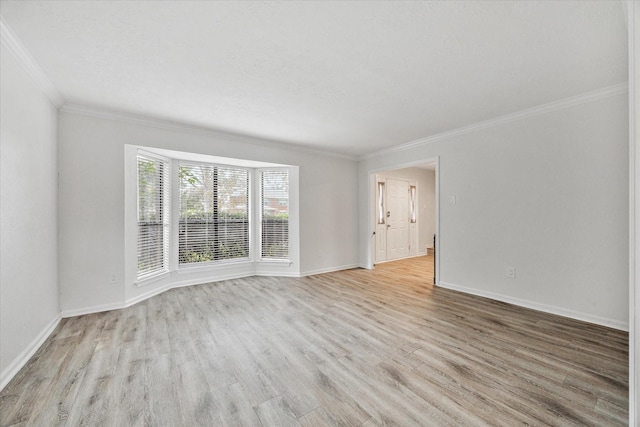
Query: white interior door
[397, 219]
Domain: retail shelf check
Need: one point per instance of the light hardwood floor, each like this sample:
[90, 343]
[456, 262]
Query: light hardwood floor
[353, 348]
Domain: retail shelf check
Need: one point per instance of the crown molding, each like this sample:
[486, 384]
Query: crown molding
[606, 92]
[138, 119]
[24, 58]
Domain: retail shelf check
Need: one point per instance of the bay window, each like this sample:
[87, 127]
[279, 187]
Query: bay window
[203, 217]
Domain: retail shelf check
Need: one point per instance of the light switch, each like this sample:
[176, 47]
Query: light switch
[452, 199]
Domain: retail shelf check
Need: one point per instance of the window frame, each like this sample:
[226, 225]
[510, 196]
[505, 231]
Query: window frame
[260, 214]
[381, 194]
[165, 200]
[413, 203]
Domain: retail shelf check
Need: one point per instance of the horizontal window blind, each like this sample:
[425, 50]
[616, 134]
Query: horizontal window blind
[153, 216]
[274, 190]
[214, 213]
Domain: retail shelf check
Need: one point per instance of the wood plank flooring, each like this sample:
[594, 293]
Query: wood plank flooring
[352, 348]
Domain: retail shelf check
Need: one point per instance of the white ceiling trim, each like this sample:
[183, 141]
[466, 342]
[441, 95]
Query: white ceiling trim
[181, 127]
[617, 89]
[24, 58]
[186, 128]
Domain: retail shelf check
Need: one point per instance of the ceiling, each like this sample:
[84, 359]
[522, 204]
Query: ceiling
[345, 77]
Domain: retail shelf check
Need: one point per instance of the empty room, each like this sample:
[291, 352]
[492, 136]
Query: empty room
[319, 213]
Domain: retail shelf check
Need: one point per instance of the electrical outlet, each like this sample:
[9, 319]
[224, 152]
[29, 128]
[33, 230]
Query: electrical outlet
[511, 272]
[113, 278]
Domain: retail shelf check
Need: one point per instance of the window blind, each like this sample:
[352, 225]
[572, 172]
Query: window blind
[274, 186]
[153, 216]
[214, 213]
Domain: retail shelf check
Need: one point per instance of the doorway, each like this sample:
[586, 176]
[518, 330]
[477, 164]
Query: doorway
[404, 211]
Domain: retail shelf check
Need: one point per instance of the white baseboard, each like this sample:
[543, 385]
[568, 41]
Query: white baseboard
[271, 274]
[328, 270]
[92, 309]
[193, 282]
[147, 295]
[183, 283]
[10, 371]
[400, 259]
[576, 315]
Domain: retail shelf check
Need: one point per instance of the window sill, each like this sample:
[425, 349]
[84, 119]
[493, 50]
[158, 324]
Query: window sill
[149, 280]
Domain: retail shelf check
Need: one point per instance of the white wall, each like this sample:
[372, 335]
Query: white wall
[92, 194]
[28, 187]
[547, 194]
[426, 181]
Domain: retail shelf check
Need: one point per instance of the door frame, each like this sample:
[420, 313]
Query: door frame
[371, 198]
[632, 13]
